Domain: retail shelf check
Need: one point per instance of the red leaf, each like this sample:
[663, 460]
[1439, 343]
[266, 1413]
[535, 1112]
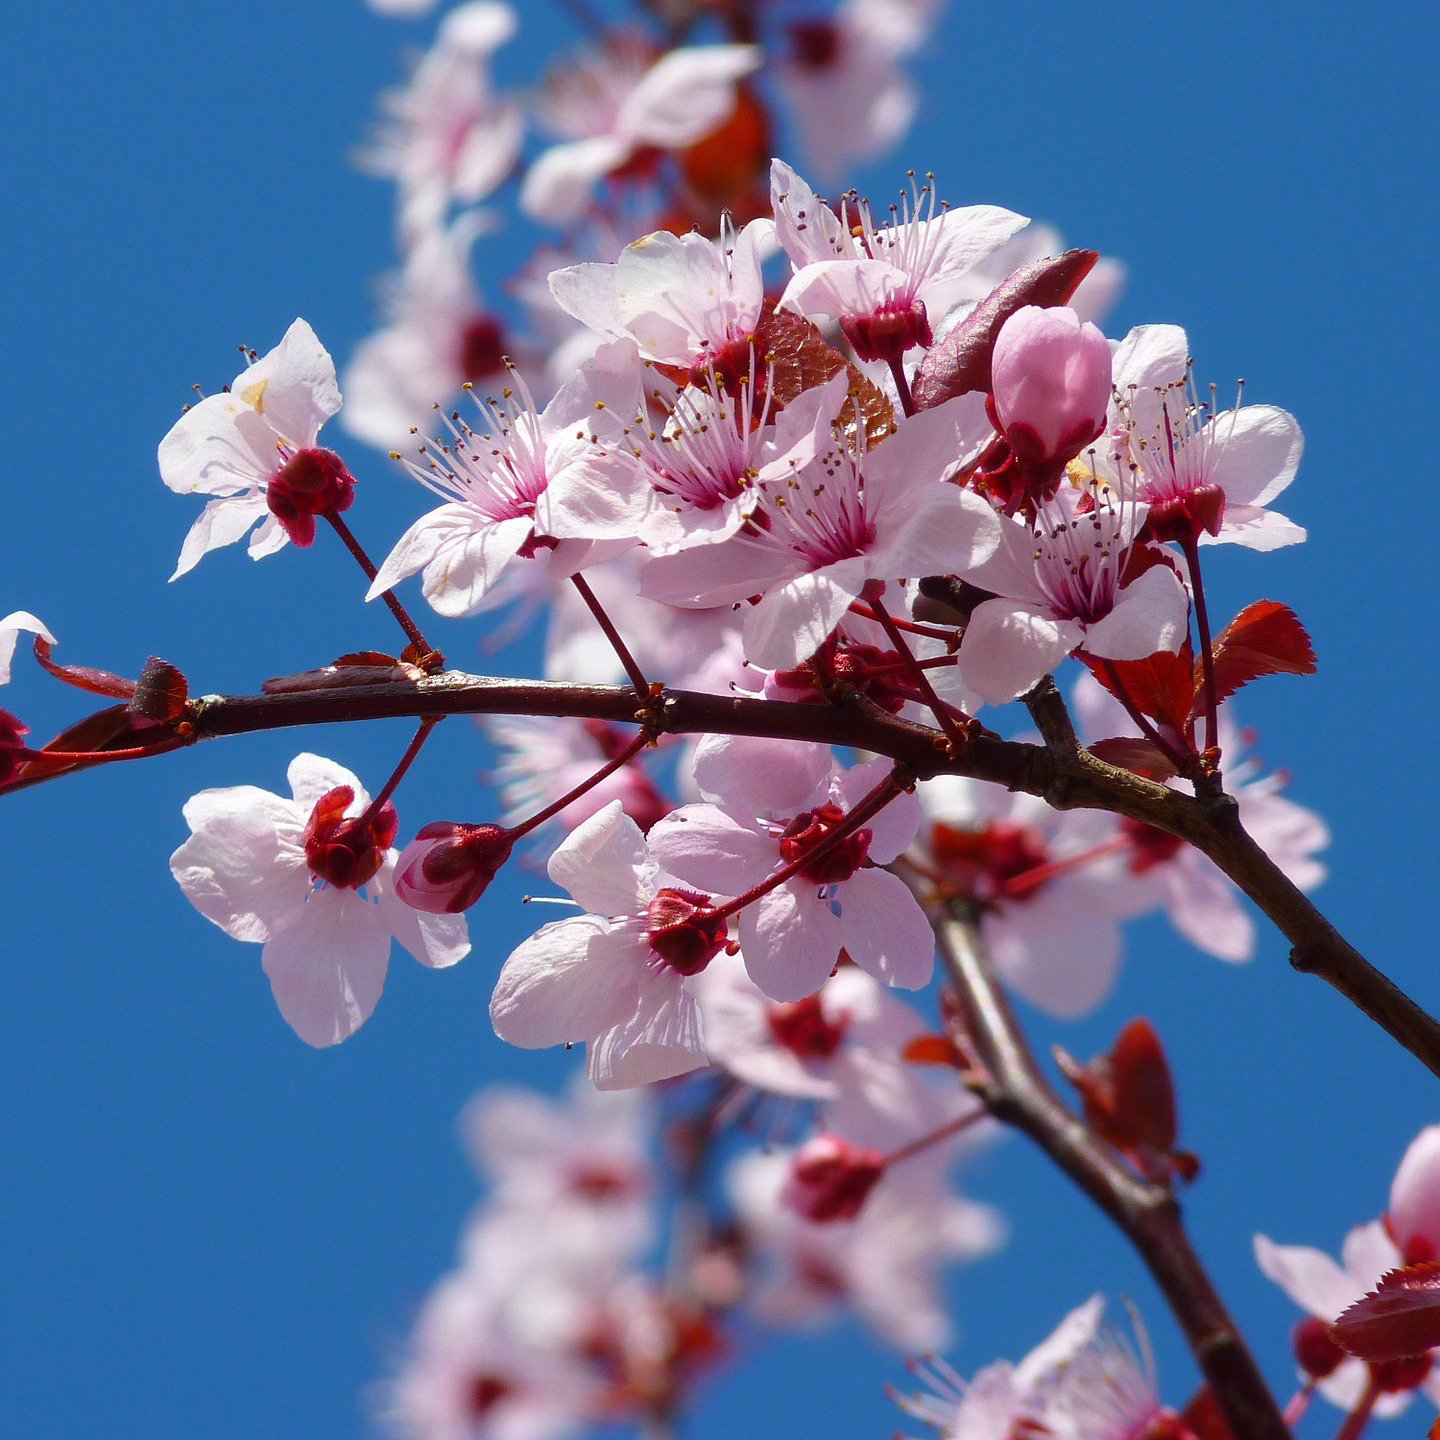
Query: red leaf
[1265, 638]
[83, 677]
[161, 693]
[960, 363]
[1399, 1318]
[933, 1050]
[113, 728]
[1144, 1091]
[1136, 754]
[1162, 686]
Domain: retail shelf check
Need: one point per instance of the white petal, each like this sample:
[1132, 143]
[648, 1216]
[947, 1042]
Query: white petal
[221, 522]
[293, 386]
[1258, 453]
[885, 930]
[1035, 949]
[770, 777]
[436, 941]
[662, 1038]
[792, 622]
[10, 628]
[560, 181]
[790, 941]
[604, 865]
[218, 447]
[1008, 646]
[686, 94]
[313, 776]
[1150, 614]
[1309, 1277]
[714, 850]
[1256, 529]
[463, 570]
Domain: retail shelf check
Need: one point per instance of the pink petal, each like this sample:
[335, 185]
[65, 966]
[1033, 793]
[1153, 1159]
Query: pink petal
[790, 941]
[604, 865]
[885, 930]
[1150, 614]
[1008, 646]
[719, 852]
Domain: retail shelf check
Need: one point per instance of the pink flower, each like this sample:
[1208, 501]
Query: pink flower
[616, 978]
[446, 137]
[499, 483]
[886, 284]
[289, 875]
[682, 299]
[834, 527]
[620, 101]
[1205, 474]
[1050, 383]
[770, 802]
[253, 447]
[1066, 582]
[10, 630]
[1414, 1214]
[831, 1178]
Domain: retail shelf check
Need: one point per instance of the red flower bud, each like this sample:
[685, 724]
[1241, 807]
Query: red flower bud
[831, 1178]
[345, 852]
[685, 931]
[447, 867]
[310, 483]
[1315, 1352]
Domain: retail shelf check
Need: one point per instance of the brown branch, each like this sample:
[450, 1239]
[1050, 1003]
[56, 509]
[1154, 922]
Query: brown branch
[1064, 779]
[1016, 1092]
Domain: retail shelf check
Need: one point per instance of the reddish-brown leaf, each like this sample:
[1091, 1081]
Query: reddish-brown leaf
[1265, 638]
[84, 677]
[161, 692]
[113, 728]
[1136, 754]
[960, 363]
[1162, 686]
[1144, 1091]
[934, 1050]
[1399, 1318]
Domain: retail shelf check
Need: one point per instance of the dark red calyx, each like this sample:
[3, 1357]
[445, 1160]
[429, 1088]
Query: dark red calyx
[1395, 1377]
[535, 543]
[347, 852]
[1149, 847]
[482, 348]
[1184, 518]
[12, 742]
[804, 1029]
[485, 1392]
[982, 863]
[866, 669]
[1315, 1352]
[831, 1178]
[311, 482]
[809, 830]
[685, 930]
[598, 1181]
[886, 335]
[814, 44]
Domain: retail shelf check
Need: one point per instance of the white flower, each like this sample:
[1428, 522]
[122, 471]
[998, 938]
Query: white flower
[249, 867]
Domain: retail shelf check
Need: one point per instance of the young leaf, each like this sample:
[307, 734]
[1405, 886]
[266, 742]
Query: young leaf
[1265, 638]
[1136, 754]
[1162, 686]
[1399, 1318]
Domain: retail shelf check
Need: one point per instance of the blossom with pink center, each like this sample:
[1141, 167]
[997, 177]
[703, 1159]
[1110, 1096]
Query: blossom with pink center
[1050, 384]
[1038, 878]
[499, 483]
[769, 803]
[840, 76]
[299, 877]
[684, 300]
[850, 518]
[1413, 1216]
[11, 627]
[446, 136]
[1206, 473]
[1062, 583]
[1323, 1288]
[257, 436]
[617, 978]
[439, 336]
[619, 102]
[887, 284]
[1202, 903]
[884, 1263]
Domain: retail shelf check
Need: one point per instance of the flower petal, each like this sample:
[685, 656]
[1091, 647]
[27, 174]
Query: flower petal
[885, 930]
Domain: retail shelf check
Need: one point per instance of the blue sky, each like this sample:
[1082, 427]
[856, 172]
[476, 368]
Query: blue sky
[211, 1230]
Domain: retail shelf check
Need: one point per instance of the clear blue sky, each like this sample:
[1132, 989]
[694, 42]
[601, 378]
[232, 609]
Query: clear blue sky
[211, 1231]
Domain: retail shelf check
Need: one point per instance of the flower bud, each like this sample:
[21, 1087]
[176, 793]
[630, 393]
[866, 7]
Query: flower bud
[12, 742]
[311, 482]
[685, 931]
[1050, 383]
[447, 867]
[342, 851]
[1315, 1352]
[831, 1178]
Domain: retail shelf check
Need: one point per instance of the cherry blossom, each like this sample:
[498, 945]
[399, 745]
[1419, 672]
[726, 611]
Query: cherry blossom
[768, 802]
[1207, 474]
[1068, 581]
[446, 136]
[301, 878]
[684, 300]
[620, 102]
[499, 483]
[887, 284]
[617, 977]
[1413, 1216]
[11, 627]
[256, 435]
[438, 337]
[835, 526]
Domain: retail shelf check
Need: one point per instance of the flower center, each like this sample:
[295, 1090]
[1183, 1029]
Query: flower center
[347, 852]
[811, 829]
[684, 930]
[486, 1391]
[311, 482]
[983, 863]
[1148, 846]
[815, 44]
[482, 348]
[805, 1030]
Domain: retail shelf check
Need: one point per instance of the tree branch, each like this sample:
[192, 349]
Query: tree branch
[1016, 1092]
[1066, 779]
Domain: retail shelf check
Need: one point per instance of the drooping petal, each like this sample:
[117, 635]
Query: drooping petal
[10, 628]
[662, 1038]
[790, 941]
[1256, 528]
[885, 930]
[604, 865]
[220, 523]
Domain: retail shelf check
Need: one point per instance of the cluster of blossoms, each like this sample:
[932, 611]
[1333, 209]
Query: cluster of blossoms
[748, 440]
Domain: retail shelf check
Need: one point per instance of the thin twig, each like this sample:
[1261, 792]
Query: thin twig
[618, 645]
[391, 599]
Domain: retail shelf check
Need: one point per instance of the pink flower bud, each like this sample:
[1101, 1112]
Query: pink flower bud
[1050, 383]
[310, 483]
[1414, 1215]
[347, 852]
[831, 1178]
[12, 742]
[447, 867]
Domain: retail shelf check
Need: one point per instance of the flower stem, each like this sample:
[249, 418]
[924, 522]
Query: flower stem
[1207, 652]
[941, 710]
[902, 385]
[1359, 1417]
[632, 668]
[935, 1137]
[1183, 763]
[417, 743]
[397, 609]
[623, 757]
[910, 627]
